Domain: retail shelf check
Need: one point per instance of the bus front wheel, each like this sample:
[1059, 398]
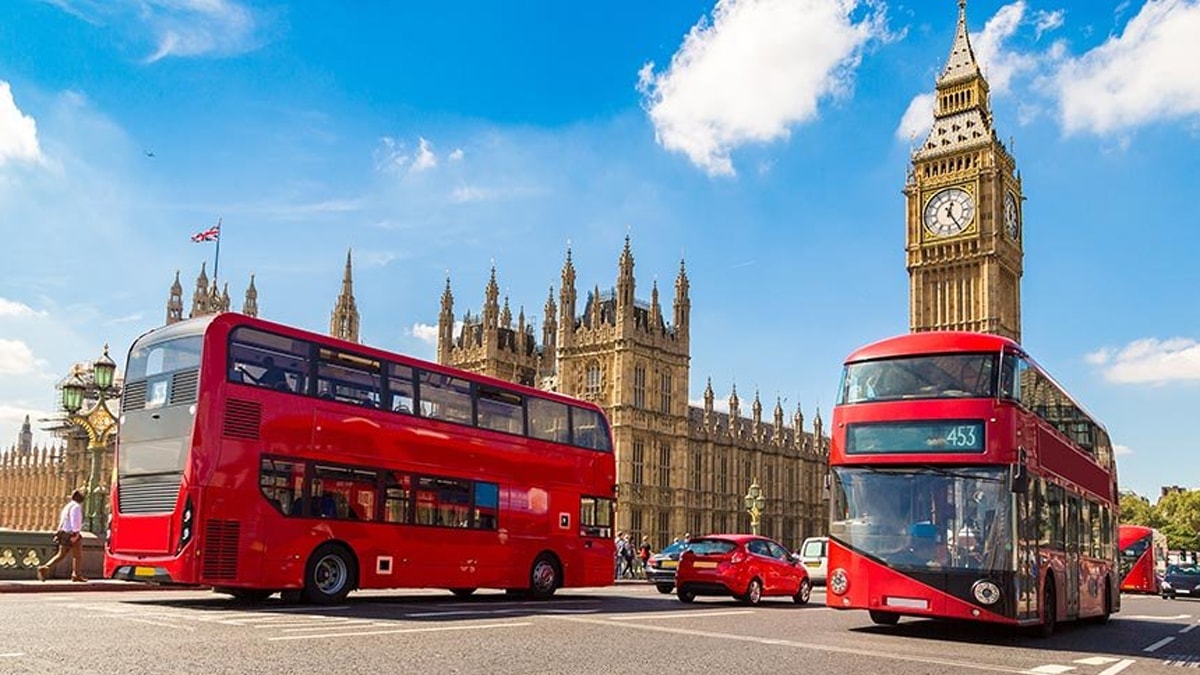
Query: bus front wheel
[1049, 611]
[330, 574]
[544, 577]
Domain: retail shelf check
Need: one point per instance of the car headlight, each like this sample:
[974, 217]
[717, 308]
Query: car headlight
[986, 592]
[1167, 585]
[839, 581]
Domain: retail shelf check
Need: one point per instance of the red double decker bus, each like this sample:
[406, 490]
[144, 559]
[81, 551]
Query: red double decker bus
[1143, 552]
[254, 458]
[967, 484]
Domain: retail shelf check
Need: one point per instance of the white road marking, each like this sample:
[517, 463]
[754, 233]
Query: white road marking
[1161, 643]
[398, 631]
[795, 644]
[1118, 667]
[12, 654]
[1151, 617]
[681, 615]
[1052, 669]
[1096, 660]
[1188, 628]
[332, 622]
[154, 623]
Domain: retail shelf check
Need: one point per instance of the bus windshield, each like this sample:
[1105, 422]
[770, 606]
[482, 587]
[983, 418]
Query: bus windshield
[934, 376]
[925, 517]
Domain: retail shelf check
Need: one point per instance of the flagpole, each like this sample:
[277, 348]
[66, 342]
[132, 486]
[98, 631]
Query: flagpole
[217, 255]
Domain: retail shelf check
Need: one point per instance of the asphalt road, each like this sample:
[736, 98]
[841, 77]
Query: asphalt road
[629, 628]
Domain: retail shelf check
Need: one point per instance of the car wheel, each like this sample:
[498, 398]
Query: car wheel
[801, 597]
[685, 595]
[665, 589]
[884, 618]
[330, 574]
[753, 593]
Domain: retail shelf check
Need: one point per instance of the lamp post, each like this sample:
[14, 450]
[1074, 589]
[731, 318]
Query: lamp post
[755, 505]
[95, 385]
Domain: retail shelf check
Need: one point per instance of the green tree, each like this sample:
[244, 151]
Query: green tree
[1178, 515]
[1136, 510]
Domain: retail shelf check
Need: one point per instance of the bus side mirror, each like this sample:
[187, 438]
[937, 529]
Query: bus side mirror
[1019, 475]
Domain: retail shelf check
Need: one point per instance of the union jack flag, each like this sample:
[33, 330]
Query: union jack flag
[211, 234]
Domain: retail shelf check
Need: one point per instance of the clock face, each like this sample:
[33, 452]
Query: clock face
[949, 212]
[1012, 219]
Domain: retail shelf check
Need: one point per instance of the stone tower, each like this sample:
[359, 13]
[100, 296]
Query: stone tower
[963, 243]
[207, 298]
[343, 321]
[250, 304]
[490, 344]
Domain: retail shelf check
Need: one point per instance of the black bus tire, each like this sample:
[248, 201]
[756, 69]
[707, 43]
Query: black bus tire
[330, 574]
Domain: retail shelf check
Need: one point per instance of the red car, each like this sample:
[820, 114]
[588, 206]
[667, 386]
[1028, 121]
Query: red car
[746, 566]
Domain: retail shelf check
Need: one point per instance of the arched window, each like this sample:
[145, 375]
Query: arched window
[592, 382]
[639, 386]
[664, 392]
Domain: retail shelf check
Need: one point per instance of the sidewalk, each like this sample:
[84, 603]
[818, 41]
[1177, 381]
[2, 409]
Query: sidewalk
[94, 585]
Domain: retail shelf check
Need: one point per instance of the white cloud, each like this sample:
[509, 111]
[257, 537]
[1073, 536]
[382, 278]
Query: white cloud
[470, 193]
[177, 27]
[455, 155]
[16, 358]
[18, 131]
[917, 119]
[1150, 360]
[13, 416]
[425, 158]
[1146, 74]
[1121, 450]
[1044, 22]
[425, 333]
[759, 67]
[18, 309]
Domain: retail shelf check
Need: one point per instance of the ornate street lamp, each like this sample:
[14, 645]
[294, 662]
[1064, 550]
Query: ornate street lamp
[755, 505]
[94, 384]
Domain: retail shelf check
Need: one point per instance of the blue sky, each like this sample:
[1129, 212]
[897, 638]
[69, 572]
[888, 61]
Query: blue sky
[763, 141]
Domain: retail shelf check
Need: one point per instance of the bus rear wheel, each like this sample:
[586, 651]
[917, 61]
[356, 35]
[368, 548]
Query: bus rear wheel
[884, 618]
[245, 594]
[544, 577]
[330, 574]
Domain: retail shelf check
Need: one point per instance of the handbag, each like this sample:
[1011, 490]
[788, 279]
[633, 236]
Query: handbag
[62, 538]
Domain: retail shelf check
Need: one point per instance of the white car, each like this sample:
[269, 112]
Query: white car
[813, 555]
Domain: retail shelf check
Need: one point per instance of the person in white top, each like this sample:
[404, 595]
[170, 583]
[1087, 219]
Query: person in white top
[70, 539]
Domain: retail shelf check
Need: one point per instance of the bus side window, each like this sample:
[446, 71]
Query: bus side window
[402, 389]
[548, 420]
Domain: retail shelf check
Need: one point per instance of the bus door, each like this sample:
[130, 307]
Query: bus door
[1072, 571]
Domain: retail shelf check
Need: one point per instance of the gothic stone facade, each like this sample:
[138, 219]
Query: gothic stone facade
[680, 469]
[35, 482]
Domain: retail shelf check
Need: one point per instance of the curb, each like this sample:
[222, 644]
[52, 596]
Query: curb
[98, 585]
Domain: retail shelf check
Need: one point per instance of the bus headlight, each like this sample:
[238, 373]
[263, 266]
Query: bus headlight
[986, 592]
[839, 581]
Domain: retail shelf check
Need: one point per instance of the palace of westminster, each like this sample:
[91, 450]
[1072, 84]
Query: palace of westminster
[683, 468]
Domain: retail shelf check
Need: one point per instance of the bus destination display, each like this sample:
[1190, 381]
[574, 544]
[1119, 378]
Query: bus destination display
[933, 436]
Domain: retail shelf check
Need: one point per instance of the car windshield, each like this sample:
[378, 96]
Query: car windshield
[1188, 570]
[711, 546]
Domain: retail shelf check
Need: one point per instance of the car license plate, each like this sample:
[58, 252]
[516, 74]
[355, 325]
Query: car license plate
[669, 564]
[143, 571]
[704, 565]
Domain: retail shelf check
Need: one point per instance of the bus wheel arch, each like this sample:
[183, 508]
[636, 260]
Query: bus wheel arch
[330, 573]
[545, 576]
[1049, 608]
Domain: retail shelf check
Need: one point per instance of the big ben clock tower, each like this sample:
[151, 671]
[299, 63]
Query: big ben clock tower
[963, 246]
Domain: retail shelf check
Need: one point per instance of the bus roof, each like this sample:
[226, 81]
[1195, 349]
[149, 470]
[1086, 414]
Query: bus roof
[930, 343]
